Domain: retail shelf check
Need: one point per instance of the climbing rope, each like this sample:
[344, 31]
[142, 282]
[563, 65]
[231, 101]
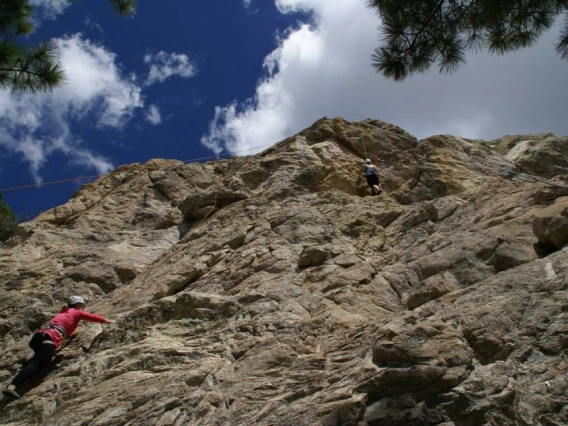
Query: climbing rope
[502, 165]
[80, 178]
[192, 160]
[363, 139]
[508, 169]
[215, 209]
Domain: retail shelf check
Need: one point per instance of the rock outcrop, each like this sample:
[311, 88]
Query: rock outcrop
[274, 290]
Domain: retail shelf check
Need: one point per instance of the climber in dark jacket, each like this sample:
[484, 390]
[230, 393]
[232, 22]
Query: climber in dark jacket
[48, 339]
[371, 173]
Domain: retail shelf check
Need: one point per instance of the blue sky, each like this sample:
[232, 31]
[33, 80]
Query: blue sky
[183, 80]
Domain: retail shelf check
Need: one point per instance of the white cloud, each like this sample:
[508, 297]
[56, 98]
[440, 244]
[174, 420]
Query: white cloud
[48, 9]
[322, 68]
[165, 65]
[249, 7]
[93, 25]
[95, 83]
[153, 115]
[36, 126]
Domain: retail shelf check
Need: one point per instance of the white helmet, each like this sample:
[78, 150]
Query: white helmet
[368, 161]
[73, 300]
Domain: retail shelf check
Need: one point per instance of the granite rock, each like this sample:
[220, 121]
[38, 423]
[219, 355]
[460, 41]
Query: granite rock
[274, 289]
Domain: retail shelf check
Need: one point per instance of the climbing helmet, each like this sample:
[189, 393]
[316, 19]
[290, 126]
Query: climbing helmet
[73, 300]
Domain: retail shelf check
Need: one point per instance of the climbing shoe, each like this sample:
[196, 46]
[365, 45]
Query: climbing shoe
[10, 392]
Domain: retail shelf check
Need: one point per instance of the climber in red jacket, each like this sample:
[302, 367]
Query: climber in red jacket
[48, 339]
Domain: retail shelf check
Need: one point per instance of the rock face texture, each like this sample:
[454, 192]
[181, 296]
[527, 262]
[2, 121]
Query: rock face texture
[274, 290]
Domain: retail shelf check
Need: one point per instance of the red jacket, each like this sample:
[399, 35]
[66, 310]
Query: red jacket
[69, 319]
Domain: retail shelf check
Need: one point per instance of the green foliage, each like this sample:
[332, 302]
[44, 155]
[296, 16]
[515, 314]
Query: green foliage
[32, 68]
[15, 17]
[420, 33]
[8, 220]
[24, 69]
[124, 7]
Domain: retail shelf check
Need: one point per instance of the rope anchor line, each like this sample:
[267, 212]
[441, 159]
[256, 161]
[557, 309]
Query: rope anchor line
[192, 160]
[39, 185]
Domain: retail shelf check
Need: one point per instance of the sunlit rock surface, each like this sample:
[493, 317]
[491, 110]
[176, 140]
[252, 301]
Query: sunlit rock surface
[274, 290]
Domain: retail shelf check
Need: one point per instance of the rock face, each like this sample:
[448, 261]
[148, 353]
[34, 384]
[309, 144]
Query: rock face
[274, 290]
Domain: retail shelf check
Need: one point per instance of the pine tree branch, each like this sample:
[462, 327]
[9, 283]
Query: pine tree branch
[562, 45]
[418, 32]
[30, 71]
[125, 7]
[436, 9]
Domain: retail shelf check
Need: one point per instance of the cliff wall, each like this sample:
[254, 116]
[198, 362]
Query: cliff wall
[274, 290]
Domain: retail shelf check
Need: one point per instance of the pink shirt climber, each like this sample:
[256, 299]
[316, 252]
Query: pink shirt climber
[69, 319]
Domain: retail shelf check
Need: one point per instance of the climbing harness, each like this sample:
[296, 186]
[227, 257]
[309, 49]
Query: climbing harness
[369, 171]
[57, 328]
